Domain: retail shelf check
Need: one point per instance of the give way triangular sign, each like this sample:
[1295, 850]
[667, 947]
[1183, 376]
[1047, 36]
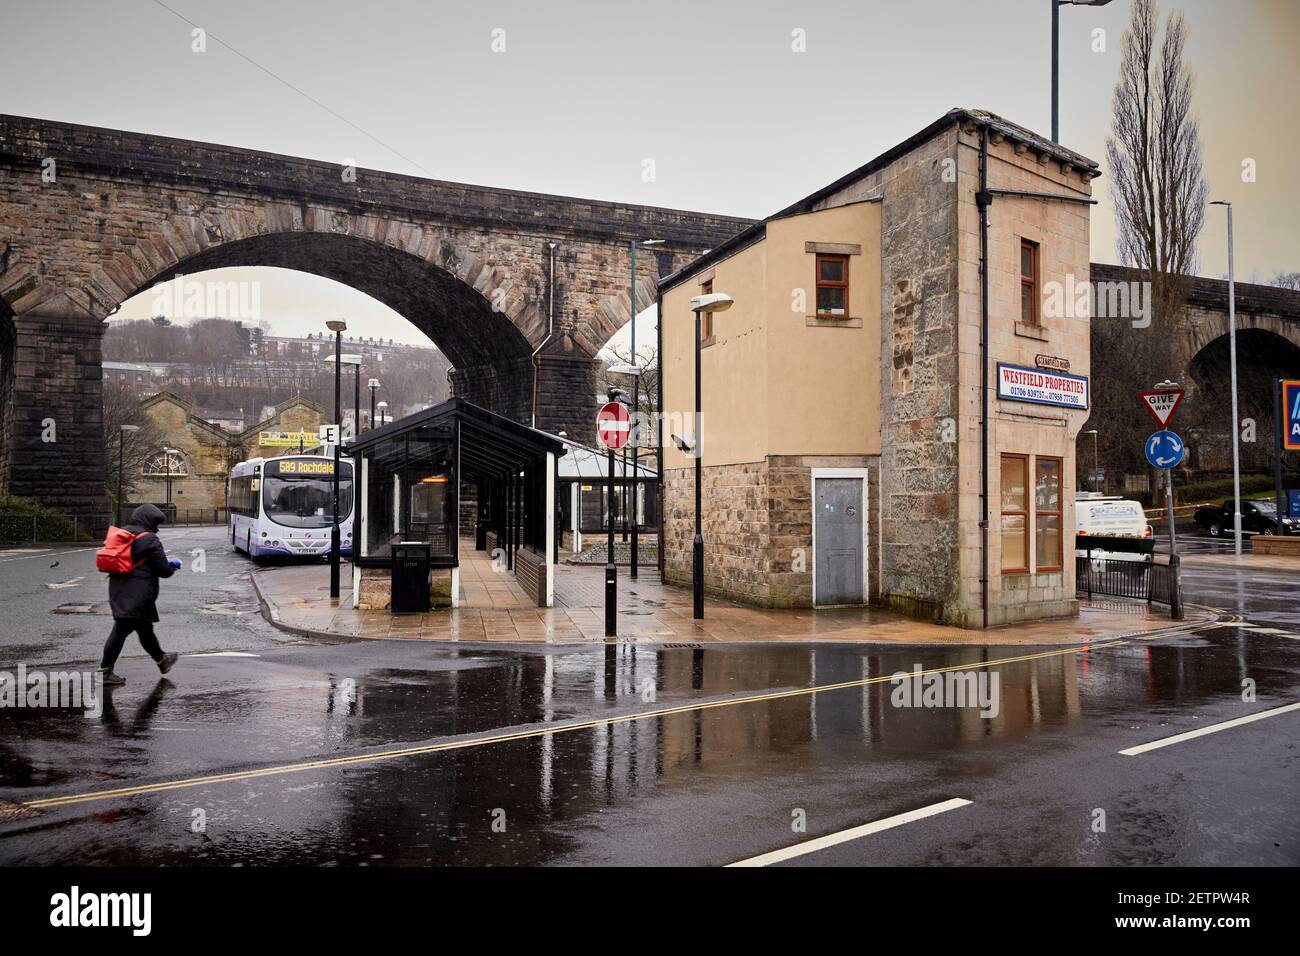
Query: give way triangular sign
[1161, 405]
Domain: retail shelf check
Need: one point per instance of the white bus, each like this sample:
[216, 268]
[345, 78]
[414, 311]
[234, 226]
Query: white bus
[283, 507]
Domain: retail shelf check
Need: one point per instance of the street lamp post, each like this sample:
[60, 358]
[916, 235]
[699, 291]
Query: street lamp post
[356, 399]
[1093, 433]
[355, 362]
[383, 412]
[336, 539]
[1168, 386]
[167, 458]
[1056, 55]
[373, 384]
[1232, 362]
[636, 404]
[713, 302]
[611, 569]
[121, 445]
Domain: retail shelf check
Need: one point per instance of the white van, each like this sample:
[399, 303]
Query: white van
[1112, 517]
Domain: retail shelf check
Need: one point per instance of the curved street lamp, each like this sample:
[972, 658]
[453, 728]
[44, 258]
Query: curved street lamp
[713, 302]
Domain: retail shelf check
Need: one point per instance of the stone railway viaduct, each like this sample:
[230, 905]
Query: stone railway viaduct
[518, 289]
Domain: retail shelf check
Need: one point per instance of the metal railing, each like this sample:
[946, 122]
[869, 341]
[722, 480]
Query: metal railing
[1155, 579]
[25, 528]
[189, 517]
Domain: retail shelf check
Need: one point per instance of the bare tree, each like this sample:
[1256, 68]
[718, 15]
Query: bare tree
[1159, 192]
[1286, 280]
[1154, 150]
[122, 407]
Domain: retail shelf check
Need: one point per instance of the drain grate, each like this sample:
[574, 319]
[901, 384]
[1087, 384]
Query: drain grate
[681, 645]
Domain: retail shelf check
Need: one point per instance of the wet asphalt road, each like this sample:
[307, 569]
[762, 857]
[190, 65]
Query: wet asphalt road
[54, 604]
[386, 753]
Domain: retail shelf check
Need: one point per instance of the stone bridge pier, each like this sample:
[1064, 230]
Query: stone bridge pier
[51, 400]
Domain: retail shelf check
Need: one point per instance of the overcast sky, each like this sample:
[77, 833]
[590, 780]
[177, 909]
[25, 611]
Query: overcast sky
[734, 119]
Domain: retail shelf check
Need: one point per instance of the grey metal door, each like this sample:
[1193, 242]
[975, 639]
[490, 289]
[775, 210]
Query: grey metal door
[838, 553]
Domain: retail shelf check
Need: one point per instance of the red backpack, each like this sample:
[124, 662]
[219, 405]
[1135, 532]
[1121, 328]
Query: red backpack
[115, 556]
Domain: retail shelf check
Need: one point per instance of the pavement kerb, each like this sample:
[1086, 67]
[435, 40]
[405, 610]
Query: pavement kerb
[271, 614]
[1209, 615]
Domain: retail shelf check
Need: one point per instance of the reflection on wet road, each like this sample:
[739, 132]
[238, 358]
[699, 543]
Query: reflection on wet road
[669, 755]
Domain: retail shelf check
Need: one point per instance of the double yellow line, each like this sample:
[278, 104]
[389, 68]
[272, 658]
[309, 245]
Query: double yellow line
[558, 728]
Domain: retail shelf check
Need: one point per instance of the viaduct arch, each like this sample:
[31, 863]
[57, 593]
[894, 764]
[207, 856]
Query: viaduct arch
[518, 289]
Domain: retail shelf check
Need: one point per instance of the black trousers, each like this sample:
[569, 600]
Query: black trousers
[122, 628]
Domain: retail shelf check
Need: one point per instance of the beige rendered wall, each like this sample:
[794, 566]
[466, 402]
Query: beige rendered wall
[823, 375]
[775, 380]
[733, 367]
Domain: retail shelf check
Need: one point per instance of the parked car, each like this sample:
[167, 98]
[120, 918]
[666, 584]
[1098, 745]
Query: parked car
[1111, 528]
[1258, 516]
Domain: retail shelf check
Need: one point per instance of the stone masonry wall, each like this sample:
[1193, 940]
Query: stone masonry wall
[757, 528]
[918, 374]
[57, 445]
[736, 531]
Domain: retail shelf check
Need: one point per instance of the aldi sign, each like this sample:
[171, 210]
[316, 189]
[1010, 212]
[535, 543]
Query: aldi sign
[1041, 387]
[1291, 415]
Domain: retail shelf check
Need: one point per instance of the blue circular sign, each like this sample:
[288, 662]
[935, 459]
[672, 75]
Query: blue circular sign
[1164, 449]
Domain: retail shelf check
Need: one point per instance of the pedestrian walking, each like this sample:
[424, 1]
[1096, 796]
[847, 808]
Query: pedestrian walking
[135, 559]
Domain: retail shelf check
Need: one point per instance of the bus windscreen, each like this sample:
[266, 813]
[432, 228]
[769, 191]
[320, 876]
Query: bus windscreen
[300, 494]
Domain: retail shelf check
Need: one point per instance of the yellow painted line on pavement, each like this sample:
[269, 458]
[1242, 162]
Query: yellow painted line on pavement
[451, 745]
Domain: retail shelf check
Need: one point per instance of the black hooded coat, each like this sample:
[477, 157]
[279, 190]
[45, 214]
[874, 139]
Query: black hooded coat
[134, 595]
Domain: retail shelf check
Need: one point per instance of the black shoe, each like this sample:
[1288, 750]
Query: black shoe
[167, 661]
[110, 679]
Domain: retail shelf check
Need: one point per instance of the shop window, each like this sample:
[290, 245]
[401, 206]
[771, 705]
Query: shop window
[1047, 514]
[1015, 514]
[832, 286]
[1029, 282]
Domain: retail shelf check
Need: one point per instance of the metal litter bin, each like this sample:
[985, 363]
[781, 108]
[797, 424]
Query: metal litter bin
[410, 580]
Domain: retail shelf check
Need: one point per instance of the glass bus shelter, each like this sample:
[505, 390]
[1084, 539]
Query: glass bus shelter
[408, 479]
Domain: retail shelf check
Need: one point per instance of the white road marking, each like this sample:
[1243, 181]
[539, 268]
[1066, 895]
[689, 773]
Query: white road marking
[47, 552]
[853, 833]
[223, 654]
[70, 583]
[1256, 628]
[1212, 729]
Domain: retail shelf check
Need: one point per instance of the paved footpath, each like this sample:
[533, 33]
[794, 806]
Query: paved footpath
[496, 611]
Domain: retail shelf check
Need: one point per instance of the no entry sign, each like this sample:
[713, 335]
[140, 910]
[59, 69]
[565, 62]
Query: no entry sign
[613, 425]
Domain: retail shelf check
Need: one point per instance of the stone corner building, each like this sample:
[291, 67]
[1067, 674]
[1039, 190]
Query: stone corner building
[850, 439]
